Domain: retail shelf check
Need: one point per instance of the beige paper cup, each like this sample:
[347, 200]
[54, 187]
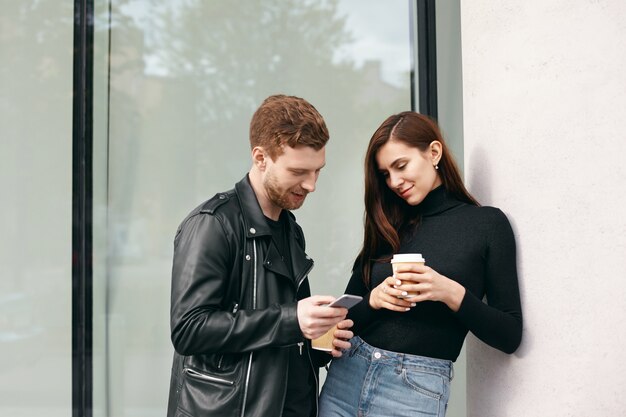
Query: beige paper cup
[404, 259]
[325, 342]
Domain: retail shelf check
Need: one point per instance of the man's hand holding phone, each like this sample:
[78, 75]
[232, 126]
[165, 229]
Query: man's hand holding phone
[336, 338]
[346, 301]
[315, 317]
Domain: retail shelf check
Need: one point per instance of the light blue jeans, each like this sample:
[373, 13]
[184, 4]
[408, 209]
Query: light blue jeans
[371, 382]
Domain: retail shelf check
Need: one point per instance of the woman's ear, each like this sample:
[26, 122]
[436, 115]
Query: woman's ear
[258, 157]
[436, 152]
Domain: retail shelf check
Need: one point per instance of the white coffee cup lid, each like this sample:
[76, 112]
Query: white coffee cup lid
[407, 257]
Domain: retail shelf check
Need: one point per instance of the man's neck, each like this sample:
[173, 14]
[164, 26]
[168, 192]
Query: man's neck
[269, 209]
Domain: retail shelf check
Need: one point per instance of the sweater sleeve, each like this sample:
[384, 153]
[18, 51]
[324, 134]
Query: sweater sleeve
[498, 322]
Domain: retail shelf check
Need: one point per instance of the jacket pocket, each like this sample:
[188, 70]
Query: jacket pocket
[192, 373]
[210, 393]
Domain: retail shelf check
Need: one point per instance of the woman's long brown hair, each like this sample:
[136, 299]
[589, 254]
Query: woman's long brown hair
[386, 214]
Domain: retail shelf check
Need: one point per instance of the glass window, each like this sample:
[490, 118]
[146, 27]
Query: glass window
[36, 41]
[176, 85]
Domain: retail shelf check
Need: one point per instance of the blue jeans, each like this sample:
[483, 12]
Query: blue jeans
[371, 382]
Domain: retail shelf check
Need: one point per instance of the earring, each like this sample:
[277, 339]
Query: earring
[437, 166]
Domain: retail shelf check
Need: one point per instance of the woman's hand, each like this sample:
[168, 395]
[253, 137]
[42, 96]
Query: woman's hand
[386, 296]
[429, 285]
[342, 335]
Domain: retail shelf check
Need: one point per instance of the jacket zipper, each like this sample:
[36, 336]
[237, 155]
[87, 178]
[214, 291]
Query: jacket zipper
[300, 281]
[210, 378]
[302, 276]
[247, 384]
[317, 388]
[301, 344]
[254, 295]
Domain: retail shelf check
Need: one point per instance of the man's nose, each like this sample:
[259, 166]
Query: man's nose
[309, 183]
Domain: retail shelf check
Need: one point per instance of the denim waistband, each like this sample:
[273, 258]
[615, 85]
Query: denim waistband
[359, 347]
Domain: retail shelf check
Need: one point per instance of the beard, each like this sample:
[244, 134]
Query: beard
[283, 198]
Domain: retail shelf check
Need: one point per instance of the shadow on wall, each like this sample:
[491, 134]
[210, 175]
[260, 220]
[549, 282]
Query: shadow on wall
[479, 183]
[526, 344]
[485, 363]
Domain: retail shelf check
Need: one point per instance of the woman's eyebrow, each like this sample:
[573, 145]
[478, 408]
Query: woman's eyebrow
[397, 161]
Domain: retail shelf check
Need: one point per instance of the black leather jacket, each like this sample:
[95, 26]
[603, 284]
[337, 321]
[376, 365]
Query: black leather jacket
[233, 310]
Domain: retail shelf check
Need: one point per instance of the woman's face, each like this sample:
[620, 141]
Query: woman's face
[409, 172]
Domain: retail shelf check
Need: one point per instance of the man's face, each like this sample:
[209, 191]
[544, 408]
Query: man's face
[293, 175]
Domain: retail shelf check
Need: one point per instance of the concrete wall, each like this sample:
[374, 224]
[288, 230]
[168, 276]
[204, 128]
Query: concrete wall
[545, 139]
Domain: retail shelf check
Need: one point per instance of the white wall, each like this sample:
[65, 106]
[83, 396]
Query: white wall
[545, 138]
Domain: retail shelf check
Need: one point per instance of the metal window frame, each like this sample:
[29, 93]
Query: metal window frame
[82, 204]
[423, 57]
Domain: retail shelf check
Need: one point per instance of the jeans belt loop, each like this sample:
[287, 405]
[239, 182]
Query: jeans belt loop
[356, 347]
[400, 364]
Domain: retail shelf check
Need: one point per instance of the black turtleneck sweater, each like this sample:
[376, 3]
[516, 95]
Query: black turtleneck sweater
[471, 245]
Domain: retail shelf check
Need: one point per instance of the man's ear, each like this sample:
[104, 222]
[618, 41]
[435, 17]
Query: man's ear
[259, 157]
[436, 151]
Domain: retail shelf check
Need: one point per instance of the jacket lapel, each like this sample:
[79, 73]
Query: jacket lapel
[301, 263]
[274, 262]
[253, 219]
[256, 226]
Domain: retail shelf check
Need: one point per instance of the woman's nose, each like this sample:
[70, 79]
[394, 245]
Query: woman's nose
[394, 181]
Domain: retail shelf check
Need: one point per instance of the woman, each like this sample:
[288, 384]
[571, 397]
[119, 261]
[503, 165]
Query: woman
[400, 362]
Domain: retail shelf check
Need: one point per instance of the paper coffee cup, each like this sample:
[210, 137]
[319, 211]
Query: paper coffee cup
[325, 342]
[409, 258]
[404, 259]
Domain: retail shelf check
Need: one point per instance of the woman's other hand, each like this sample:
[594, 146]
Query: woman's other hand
[342, 336]
[429, 285]
[386, 296]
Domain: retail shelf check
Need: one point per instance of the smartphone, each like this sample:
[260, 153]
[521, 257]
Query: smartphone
[346, 301]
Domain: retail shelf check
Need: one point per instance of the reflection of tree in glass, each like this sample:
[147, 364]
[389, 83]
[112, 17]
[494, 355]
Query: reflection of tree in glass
[35, 158]
[35, 122]
[234, 54]
[197, 72]
[234, 48]
[229, 56]
[118, 108]
[31, 66]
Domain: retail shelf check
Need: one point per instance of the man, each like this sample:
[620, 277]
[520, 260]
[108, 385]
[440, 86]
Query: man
[242, 316]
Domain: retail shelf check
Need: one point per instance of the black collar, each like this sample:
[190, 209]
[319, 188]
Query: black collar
[253, 217]
[437, 201]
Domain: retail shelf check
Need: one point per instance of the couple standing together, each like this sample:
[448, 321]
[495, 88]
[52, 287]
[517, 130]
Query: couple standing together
[242, 316]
